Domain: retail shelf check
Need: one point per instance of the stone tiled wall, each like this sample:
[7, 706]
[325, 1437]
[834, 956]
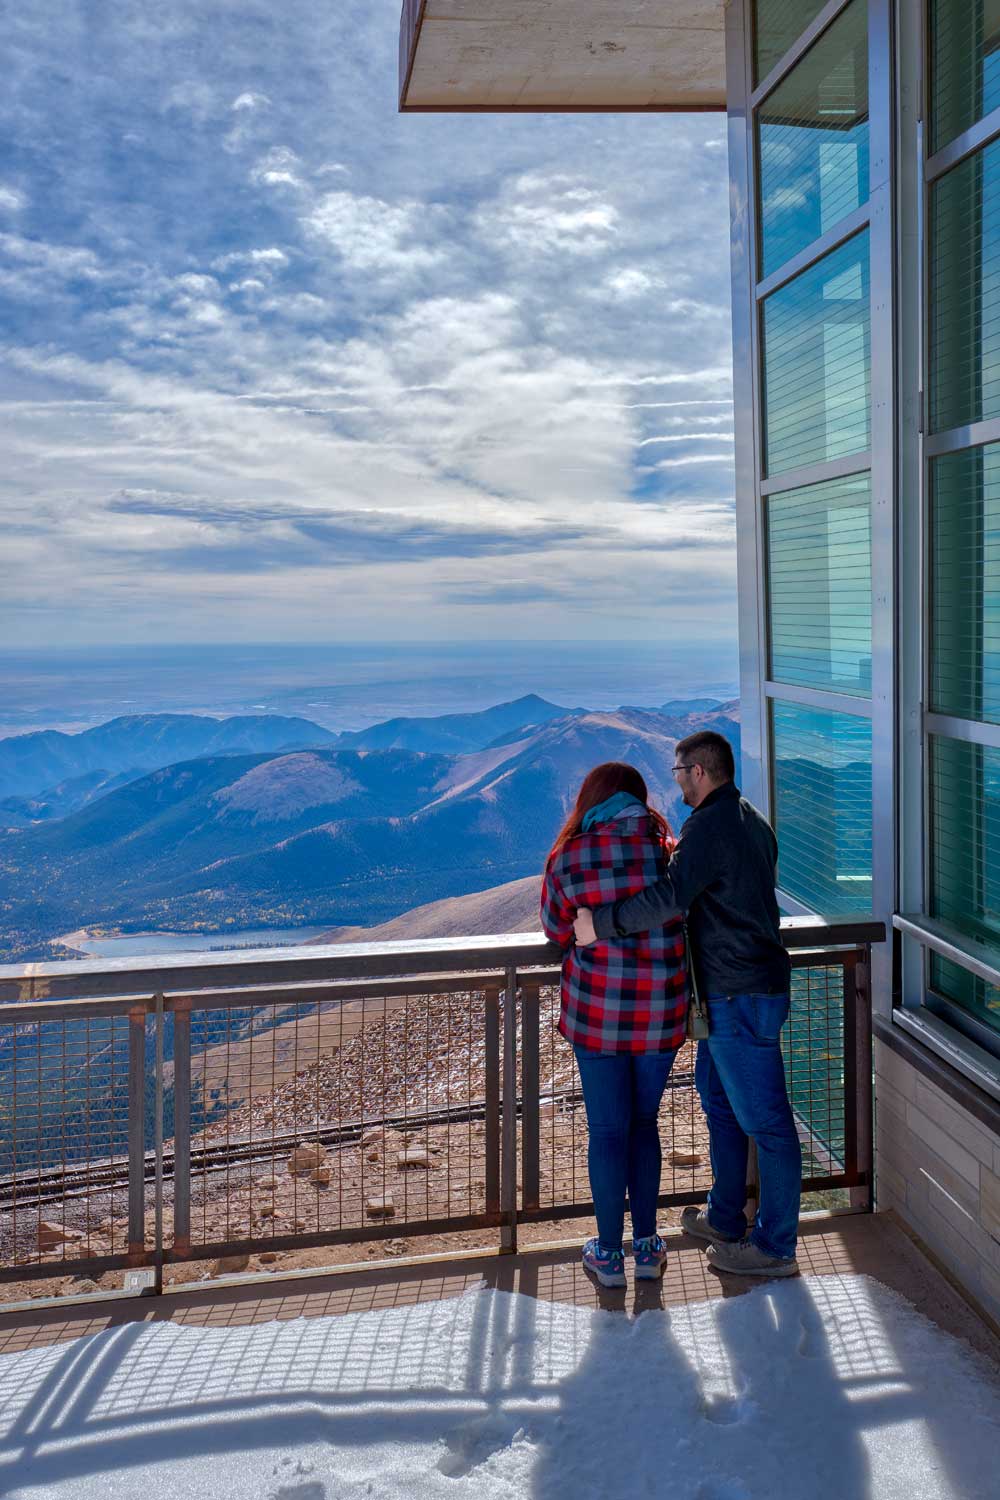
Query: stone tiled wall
[938, 1167]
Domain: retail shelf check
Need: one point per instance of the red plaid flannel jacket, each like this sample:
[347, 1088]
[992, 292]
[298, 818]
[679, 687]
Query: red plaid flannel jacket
[629, 995]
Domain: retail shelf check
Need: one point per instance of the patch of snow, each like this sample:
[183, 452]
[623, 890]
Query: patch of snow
[830, 1388]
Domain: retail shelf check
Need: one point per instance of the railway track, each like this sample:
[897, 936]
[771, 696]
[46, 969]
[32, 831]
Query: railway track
[55, 1184]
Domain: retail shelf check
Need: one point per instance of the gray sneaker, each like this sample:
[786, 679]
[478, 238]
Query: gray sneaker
[747, 1259]
[695, 1221]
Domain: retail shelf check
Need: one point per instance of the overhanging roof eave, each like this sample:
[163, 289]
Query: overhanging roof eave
[456, 58]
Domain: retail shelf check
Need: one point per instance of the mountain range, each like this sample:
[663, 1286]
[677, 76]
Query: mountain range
[346, 831]
[42, 766]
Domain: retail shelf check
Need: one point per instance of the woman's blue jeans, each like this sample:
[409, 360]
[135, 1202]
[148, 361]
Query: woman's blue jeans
[740, 1076]
[622, 1093]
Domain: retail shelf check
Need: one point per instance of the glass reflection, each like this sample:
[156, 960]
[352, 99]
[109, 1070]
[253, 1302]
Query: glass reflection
[817, 362]
[812, 141]
[820, 585]
[823, 807]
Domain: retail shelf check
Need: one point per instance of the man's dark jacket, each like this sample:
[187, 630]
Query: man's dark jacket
[722, 873]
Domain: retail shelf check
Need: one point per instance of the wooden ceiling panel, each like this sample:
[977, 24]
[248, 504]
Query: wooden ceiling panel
[556, 55]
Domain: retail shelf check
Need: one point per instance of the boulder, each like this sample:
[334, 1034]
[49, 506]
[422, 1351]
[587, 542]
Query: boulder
[381, 1207]
[686, 1158]
[229, 1265]
[414, 1156]
[305, 1158]
[50, 1235]
[320, 1177]
[267, 1257]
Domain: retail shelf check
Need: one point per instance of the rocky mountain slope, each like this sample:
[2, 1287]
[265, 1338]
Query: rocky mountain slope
[458, 734]
[345, 836]
[503, 908]
[31, 764]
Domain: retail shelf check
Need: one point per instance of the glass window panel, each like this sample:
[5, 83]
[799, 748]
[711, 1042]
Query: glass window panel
[965, 851]
[972, 994]
[965, 292]
[823, 807]
[817, 362]
[779, 23]
[965, 65]
[820, 585]
[812, 140]
[965, 584]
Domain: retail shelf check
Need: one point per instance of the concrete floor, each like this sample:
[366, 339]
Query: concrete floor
[865, 1244]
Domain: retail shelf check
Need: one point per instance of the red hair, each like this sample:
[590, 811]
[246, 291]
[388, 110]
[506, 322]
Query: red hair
[600, 784]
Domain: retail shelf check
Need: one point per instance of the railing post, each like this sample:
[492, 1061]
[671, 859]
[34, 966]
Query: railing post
[508, 1156]
[158, 1146]
[530, 1126]
[491, 1059]
[137, 1135]
[182, 1128]
[858, 1047]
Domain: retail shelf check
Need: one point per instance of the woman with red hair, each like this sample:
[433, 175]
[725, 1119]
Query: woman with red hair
[624, 1006]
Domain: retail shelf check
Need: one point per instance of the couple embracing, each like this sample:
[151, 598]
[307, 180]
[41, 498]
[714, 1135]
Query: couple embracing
[618, 890]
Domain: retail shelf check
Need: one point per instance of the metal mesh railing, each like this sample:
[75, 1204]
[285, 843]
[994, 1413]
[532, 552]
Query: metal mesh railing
[269, 1117]
[64, 1112]
[344, 1118]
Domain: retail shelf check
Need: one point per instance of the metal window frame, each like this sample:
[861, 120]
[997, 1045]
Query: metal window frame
[752, 487]
[969, 731]
[941, 1025]
[954, 439]
[929, 1017]
[802, 44]
[971, 140]
[821, 473]
[817, 249]
[851, 704]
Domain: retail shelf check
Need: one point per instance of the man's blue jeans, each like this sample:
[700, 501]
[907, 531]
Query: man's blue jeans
[740, 1076]
[622, 1093]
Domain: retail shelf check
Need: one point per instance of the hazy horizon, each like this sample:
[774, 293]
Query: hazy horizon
[345, 686]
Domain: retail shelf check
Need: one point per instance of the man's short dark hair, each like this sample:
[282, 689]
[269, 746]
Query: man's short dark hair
[710, 750]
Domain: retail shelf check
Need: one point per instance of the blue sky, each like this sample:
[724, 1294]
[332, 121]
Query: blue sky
[281, 364]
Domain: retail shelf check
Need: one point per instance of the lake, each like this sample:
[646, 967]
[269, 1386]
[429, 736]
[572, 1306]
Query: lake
[140, 944]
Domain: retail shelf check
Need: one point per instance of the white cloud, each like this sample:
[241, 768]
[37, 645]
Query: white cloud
[197, 286]
[541, 215]
[193, 97]
[11, 201]
[373, 235]
[250, 101]
[485, 333]
[279, 168]
[262, 259]
[688, 437]
[629, 283]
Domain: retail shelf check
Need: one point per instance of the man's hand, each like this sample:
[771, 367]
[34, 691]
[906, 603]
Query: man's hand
[583, 926]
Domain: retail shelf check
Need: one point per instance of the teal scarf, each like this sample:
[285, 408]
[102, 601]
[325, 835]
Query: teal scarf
[605, 811]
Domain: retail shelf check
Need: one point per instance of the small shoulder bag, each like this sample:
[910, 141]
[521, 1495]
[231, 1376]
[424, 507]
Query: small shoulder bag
[697, 1014]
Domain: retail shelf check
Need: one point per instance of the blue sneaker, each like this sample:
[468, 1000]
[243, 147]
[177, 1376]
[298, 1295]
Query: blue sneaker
[607, 1265]
[650, 1256]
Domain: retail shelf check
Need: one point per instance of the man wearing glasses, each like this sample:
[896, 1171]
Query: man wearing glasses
[722, 874]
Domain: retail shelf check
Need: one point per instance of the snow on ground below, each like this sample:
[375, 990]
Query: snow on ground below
[827, 1388]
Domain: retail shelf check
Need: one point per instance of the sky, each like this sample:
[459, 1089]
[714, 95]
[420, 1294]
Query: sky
[278, 363]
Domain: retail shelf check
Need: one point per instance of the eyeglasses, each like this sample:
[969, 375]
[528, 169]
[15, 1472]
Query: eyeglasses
[688, 767]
